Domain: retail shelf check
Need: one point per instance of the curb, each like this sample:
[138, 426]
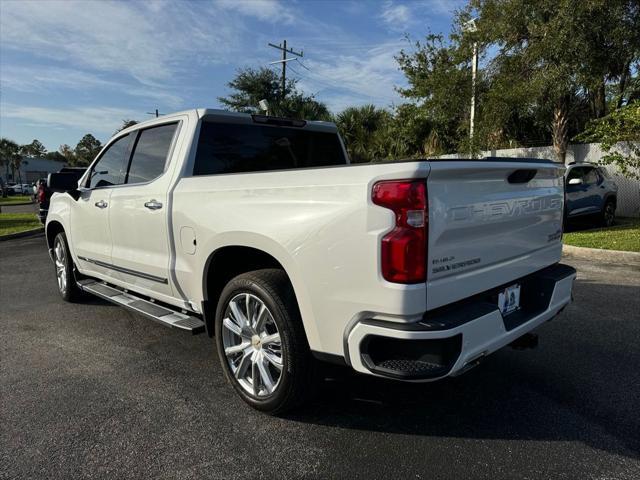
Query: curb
[609, 256]
[27, 233]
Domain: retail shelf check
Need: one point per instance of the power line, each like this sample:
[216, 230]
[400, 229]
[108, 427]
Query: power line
[295, 71]
[335, 83]
[303, 65]
[284, 61]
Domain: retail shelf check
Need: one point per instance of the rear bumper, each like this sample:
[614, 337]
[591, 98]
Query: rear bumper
[452, 339]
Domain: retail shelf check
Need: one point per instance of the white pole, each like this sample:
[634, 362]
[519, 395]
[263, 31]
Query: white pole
[474, 70]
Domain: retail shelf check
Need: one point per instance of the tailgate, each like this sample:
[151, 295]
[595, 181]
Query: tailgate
[490, 222]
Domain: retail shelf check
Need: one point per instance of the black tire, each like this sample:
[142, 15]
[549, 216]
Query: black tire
[69, 290]
[297, 378]
[608, 214]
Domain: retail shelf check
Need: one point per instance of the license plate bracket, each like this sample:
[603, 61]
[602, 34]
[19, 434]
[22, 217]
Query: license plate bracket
[509, 299]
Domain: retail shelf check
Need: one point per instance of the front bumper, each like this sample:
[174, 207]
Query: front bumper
[452, 339]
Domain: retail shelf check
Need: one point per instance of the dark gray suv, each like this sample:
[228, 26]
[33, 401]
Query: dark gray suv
[590, 192]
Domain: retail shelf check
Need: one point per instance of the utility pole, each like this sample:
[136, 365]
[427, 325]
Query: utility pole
[284, 61]
[157, 114]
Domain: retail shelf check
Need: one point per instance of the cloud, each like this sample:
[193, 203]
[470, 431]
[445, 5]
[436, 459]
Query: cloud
[366, 77]
[396, 17]
[271, 11]
[150, 41]
[442, 7]
[49, 79]
[399, 17]
[99, 120]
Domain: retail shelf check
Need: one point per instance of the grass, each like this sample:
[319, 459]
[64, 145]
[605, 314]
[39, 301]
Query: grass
[17, 222]
[15, 199]
[624, 235]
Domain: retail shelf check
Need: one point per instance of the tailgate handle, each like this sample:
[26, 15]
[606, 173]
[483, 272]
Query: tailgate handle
[523, 175]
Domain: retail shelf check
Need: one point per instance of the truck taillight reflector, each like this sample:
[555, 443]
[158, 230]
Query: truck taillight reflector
[404, 249]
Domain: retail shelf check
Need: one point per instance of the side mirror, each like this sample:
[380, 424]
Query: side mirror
[575, 181]
[62, 182]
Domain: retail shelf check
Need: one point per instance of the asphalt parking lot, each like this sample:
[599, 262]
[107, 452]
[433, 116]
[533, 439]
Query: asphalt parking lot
[93, 391]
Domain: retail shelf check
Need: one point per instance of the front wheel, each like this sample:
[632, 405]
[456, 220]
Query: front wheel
[608, 215]
[261, 342]
[67, 285]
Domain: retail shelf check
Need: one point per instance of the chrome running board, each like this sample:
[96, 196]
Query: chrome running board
[129, 300]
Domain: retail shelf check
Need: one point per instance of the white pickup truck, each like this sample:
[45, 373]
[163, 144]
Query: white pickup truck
[258, 231]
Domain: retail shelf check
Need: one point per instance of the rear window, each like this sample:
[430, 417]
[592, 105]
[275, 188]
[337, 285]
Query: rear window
[235, 148]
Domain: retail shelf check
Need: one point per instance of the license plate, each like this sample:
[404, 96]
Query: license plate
[509, 299]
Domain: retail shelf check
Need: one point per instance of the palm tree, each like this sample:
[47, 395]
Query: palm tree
[358, 126]
[10, 156]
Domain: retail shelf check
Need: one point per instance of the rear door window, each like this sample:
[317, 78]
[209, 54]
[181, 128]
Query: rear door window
[591, 177]
[603, 172]
[150, 153]
[236, 148]
[111, 168]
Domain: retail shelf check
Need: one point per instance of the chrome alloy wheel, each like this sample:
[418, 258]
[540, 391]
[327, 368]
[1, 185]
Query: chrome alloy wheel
[61, 266]
[252, 345]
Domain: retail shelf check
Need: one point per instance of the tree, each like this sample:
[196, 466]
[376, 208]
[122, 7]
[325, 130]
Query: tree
[405, 134]
[619, 134]
[251, 85]
[11, 157]
[126, 123]
[548, 67]
[67, 153]
[34, 149]
[86, 150]
[557, 55]
[358, 127]
[438, 73]
[55, 156]
[298, 105]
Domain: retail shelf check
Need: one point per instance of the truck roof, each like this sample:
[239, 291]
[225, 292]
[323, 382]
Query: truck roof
[232, 116]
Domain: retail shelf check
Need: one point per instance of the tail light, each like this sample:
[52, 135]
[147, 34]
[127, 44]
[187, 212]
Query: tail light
[404, 249]
[41, 194]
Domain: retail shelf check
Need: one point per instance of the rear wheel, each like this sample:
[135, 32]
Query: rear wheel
[261, 343]
[67, 285]
[608, 215]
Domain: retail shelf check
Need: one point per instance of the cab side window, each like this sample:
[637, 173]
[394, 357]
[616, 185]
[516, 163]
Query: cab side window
[111, 168]
[150, 153]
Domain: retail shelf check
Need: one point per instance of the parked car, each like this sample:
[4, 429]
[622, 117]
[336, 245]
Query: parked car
[19, 188]
[258, 229]
[591, 193]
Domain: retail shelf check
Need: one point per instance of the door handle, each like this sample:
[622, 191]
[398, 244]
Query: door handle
[153, 205]
[101, 204]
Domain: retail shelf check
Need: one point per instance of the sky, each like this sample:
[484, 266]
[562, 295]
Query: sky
[73, 67]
